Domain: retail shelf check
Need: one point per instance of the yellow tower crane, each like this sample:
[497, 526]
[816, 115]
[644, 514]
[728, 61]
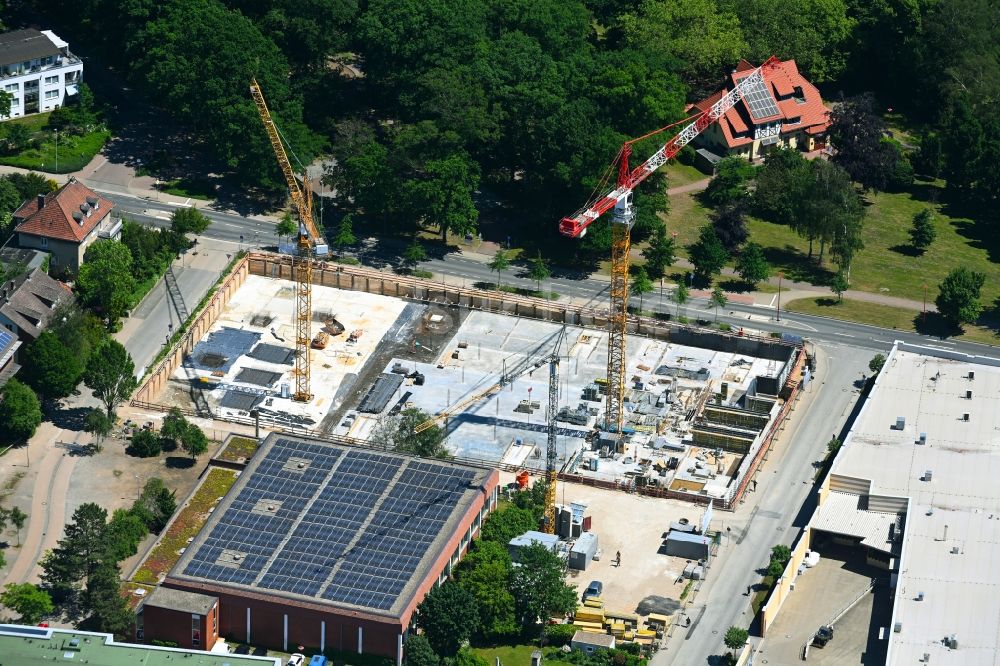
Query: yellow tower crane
[308, 238]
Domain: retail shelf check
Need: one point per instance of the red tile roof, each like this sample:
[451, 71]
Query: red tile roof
[783, 79]
[55, 219]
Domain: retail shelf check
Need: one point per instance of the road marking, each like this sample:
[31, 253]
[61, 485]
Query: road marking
[771, 304]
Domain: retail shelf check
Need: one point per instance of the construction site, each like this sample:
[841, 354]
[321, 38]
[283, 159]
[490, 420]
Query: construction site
[694, 416]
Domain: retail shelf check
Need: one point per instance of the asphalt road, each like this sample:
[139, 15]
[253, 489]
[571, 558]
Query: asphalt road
[249, 232]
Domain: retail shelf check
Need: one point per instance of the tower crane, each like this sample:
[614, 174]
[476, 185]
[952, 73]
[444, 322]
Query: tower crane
[623, 217]
[551, 473]
[309, 237]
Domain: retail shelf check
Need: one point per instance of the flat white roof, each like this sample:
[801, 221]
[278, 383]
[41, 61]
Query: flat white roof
[949, 578]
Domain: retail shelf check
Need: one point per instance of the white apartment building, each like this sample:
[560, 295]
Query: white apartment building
[38, 70]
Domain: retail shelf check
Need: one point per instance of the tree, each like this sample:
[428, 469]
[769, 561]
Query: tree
[27, 600]
[858, 131]
[51, 368]
[414, 254]
[18, 518]
[83, 548]
[155, 505]
[736, 638]
[929, 160]
[286, 226]
[448, 616]
[730, 184]
[108, 610]
[105, 280]
[99, 425]
[752, 266]
[110, 374]
[922, 233]
[839, 285]
[498, 264]
[833, 445]
[485, 573]
[144, 444]
[466, 657]
[537, 586]
[5, 99]
[20, 412]
[194, 441]
[502, 526]
[781, 185]
[832, 212]
[175, 425]
[680, 296]
[875, 365]
[781, 552]
[345, 234]
[717, 300]
[641, 284]
[419, 651]
[730, 226]
[428, 443]
[443, 197]
[126, 530]
[78, 330]
[708, 254]
[958, 296]
[538, 270]
[660, 254]
[188, 220]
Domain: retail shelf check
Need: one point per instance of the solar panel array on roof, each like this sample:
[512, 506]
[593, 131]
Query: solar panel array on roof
[760, 102]
[6, 337]
[347, 526]
[380, 393]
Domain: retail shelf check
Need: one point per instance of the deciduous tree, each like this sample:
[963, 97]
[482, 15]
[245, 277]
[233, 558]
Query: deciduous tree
[958, 296]
[730, 183]
[345, 233]
[839, 285]
[680, 296]
[419, 651]
[194, 441]
[105, 280]
[708, 254]
[485, 574]
[858, 132]
[538, 588]
[188, 220]
[286, 226]
[502, 526]
[752, 265]
[641, 284]
[99, 425]
[110, 374]
[730, 227]
[717, 300]
[498, 264]
[144, 444]
[17, 519]
[428, 443]
[736, 638]
[27, 600]
[20, 412]
[448, 615]
[538, 270]
[414, 254]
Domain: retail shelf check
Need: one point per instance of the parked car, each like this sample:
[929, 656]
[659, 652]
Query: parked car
[823, 636]
[593, 590]
[296, 659]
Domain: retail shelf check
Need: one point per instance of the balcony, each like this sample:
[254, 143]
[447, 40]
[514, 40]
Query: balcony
[61, 61]
[111, 230]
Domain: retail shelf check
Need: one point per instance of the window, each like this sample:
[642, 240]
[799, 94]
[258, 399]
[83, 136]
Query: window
[51, 94]
[13, 87]
[50, 80]
[215, 620]
[14, 103]
[195, 630]
[45, 241]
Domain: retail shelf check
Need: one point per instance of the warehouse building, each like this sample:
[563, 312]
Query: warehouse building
[331, 547]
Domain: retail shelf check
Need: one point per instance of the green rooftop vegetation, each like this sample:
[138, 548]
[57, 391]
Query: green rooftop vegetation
[186, 525]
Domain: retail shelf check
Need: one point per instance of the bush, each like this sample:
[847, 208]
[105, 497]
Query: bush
[558, 635]
[144, 444]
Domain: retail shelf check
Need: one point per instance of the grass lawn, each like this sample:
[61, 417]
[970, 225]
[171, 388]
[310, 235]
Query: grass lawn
[75, 152]
[681, 174]
[889, 317]
[509, 655]
[887, 264]
[191, 188]
[186, 525]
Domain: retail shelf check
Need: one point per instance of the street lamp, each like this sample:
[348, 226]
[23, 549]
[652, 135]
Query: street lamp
[137, 493]
[923, 313]
[57, 150]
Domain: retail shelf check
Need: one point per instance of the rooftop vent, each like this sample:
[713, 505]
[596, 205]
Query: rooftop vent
[923, 438]
[965, 416]
[920, 596]
[972, 374]
[898, 627]
[928, 475]
[951, 642]
[968, 395]
[954, 550]
[41, 201]
[900, 423]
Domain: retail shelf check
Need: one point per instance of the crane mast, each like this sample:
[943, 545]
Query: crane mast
[302, 263]
[620, 199]
[551, 473]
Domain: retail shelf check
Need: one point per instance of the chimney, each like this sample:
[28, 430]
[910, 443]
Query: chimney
[41, 201]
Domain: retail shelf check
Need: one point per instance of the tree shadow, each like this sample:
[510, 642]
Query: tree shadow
[797, 266]
[827, 302]
[934, 324]
[736, 286]
[907, 250]
[68, 418]
[927, 192]
[179, 462]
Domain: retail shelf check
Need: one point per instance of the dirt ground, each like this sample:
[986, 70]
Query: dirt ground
[636, 526]
[62, 475]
